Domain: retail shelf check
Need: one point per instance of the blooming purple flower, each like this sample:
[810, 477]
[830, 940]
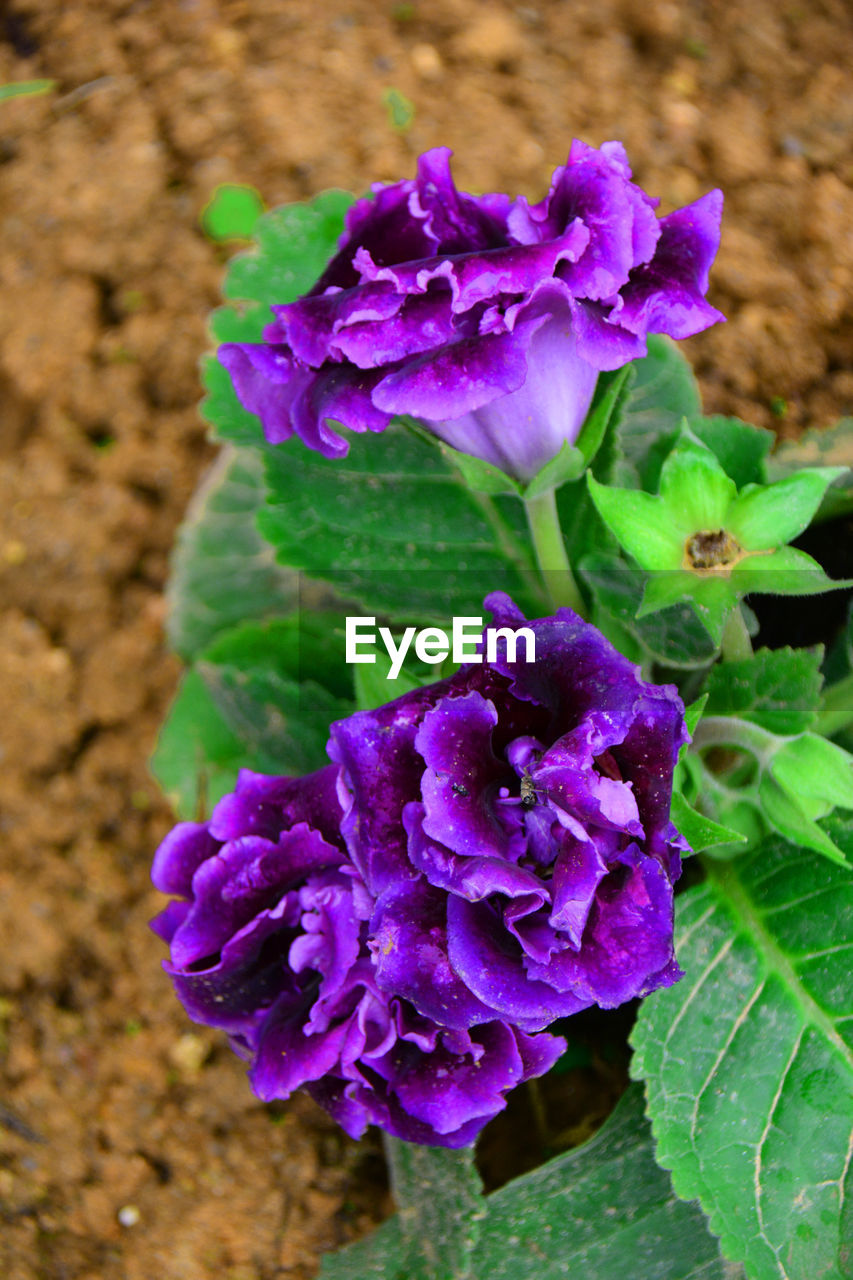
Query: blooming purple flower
[513, 824]
[487, 318]
[268, 939]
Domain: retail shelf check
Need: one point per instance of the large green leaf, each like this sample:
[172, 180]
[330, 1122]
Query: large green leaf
[197, 756]
[393, 526]
[748, 1060]
[279, 686]
[664, 391]
[603, 1210]
[261, 697]
[776, 688]
[223, 573]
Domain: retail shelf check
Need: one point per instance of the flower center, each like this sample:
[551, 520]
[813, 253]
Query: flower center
[711, 549]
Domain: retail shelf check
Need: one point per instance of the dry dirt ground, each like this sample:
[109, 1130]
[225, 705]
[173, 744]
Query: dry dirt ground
[130, 1145]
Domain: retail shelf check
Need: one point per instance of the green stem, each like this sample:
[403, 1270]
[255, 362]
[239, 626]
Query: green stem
[550, 549]
[736, 642]
[837, 710]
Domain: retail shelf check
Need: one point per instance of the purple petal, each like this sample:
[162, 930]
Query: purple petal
[409, 933]
[667, 295]
[176, 861]
[491, 965]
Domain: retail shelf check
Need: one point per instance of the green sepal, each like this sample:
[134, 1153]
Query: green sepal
[641, 523]
[740, 447]
[785, 814]
[700, 832]
[784, 572]
[693, 714]
[817, 772]
[25, 88]
[479, 476]
[763, 517]
[694, 487]
[666, 588]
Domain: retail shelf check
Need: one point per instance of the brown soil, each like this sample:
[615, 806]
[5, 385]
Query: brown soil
[130, 1145]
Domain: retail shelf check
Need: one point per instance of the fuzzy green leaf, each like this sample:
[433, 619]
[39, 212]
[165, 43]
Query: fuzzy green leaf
[223, 573]
[393, 526]
[197, 756]
[776, 688]
[748, 1060]
[602, 1210]
[663, 393]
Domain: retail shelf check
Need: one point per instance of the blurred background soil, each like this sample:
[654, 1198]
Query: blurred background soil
[130, 1145]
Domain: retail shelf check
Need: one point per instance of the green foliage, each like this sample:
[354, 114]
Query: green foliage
[394, 527]
[197, 756]
[293, 246]
[776, 688]
[821, 447]
[261, 696]
[223, 572]
[601, 1210]
[232, 212]
[748, 1060]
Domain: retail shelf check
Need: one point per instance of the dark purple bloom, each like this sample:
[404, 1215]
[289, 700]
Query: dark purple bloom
[487, 318]
[513, 824]
[268, 938]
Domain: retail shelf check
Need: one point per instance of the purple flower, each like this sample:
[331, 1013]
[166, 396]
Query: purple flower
[268, 937]
[513, 824]
[487, 318]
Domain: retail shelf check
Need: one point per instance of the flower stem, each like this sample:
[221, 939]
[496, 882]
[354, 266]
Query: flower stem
[550, 550]
[736, 644]
[837, 710]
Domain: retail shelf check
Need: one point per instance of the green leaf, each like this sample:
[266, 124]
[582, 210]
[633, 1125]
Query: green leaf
[197, 756]
[223, 573]
[232, 212]
[602, 1210]
[740, 448]
[393, 526]
[766, 516]
[664, 392]
[820, 447]
[700, 832]
[748, 1059]
[776, 688]
[294, 244]
[480, 476]
[25, 88]
[279, 686]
